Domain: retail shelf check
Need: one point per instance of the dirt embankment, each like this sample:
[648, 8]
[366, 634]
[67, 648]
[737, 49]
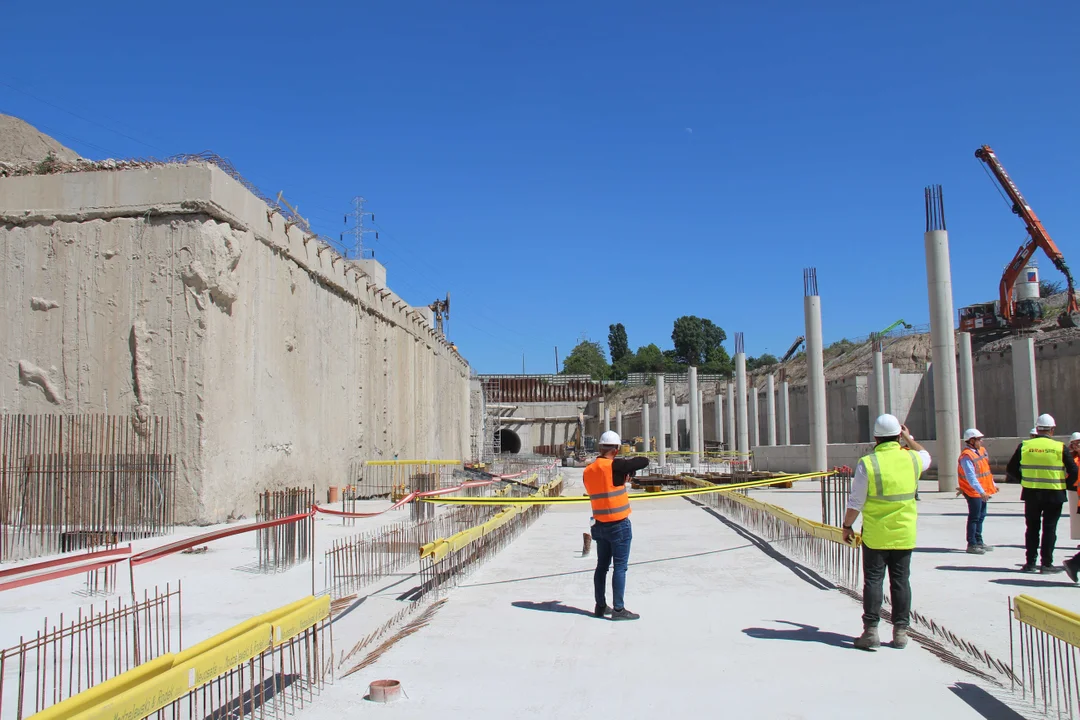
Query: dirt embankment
[21, 142]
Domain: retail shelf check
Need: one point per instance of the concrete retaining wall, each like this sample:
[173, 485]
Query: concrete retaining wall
[174, 291]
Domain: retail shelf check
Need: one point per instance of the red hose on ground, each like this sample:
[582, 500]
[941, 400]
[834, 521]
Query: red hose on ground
[66, 560]
[56, 574]
[175, 547]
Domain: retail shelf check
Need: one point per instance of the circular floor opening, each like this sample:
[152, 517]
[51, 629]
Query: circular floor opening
[509, 442]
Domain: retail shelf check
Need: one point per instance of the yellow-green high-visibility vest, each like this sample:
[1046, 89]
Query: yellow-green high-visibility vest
[1041, 466]
[890, 514]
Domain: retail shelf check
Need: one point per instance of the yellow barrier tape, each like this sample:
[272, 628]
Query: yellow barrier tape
[301, 619]
[1059, 622]
[570, 500]
[384, 463]
[159, 682]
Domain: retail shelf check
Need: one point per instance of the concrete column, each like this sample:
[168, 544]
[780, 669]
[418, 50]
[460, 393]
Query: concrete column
[1027, 402]
[785, 415]
[695, 456]
[604, 416]
[877, 390]
[645, 426]
[770, 409]
[701, 421]
[730, 417]
[674, 423]
[755, 424]
[661, 445]
[618, 423]
[718, 417]
[740, 400]
[890, 390]
[815, 384]
[943, 346]
[967, 383]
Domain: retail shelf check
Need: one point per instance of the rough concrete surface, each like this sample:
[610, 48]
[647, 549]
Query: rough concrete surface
[174, 291]
[21, 142]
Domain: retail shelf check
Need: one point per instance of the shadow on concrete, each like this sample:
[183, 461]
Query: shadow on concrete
[591, 569]
[937, 550]
[801, 633]
[964, 514]
[1023, 582]
[799, 570]
[978, 569]
[984, 703]
[551, 606]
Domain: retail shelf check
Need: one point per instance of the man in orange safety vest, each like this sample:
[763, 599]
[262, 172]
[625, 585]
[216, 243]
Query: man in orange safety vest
[977, 485]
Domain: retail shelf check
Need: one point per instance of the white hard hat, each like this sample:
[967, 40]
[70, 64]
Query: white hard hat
[611, 438]
[972, 433]
[1074, 437]
[886, 426]
[1034, 432]
[1045, 421]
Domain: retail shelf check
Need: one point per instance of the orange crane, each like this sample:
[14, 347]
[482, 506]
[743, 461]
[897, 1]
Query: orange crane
[1009, 313]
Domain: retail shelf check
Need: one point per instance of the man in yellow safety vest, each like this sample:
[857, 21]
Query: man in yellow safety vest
[883, 490]
[1046, 471]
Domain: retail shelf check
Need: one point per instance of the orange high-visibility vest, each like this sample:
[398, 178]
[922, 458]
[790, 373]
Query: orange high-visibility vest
[981, 461]
[609, 503]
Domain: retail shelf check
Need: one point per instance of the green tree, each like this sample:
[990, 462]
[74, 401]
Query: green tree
[587, 358]
[695, 338]
[648, 359]
[671, 362]
[761, 361]
[617, 342]
[718, 362]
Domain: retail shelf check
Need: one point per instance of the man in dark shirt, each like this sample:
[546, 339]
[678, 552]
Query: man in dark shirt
[605, 482]
[1046, 470]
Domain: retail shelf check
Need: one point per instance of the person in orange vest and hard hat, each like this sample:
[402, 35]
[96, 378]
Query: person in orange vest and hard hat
[605, 482]
[1046, 472]
[1072, 565]
[976, 485]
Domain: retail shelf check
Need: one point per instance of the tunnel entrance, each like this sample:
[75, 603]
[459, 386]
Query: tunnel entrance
[509, 442]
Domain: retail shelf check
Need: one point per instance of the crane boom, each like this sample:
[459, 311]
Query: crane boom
[1039, 239]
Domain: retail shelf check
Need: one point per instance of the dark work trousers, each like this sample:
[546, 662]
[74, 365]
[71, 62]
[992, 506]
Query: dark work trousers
[1039, 511]
[874, 563]
[612, 546]
[976, 515]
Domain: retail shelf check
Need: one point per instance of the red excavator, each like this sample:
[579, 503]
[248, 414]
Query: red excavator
[1007, 313]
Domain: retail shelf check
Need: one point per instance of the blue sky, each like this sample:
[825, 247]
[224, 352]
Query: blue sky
[562, 166]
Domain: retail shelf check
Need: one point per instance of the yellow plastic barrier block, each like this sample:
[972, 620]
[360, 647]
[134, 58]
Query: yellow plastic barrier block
[1053, 620]
[301, 619]
[166, 688]
[110, 688]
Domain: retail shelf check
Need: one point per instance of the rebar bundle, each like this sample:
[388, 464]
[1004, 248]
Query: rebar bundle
[71, 482]
[283, 546]
[66, 657]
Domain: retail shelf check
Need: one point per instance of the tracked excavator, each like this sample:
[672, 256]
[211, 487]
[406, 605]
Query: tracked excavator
[1008, 313]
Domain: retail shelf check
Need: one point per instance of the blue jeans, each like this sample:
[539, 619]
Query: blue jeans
[612, 543]
[976, 515]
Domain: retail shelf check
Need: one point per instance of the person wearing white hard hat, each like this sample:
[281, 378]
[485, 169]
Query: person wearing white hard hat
[976, 485]
[883, 490]
[1046, 472]
[605, 482]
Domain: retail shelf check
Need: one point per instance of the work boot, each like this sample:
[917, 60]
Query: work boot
[1050, 569]
[899, 637]
[624, 614]
[975, 550]
[986, 548]
[1070, 569]
[601, 610]
[1027, 568]
[869, 639]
